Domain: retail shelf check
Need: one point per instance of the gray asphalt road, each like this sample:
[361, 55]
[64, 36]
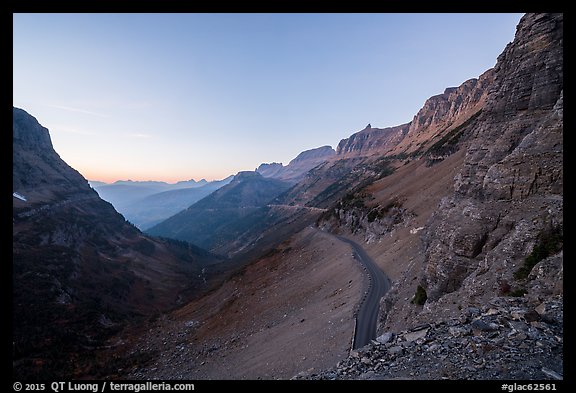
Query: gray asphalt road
[379, 284]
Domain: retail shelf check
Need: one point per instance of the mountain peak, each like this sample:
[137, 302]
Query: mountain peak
[318, 153]
[37, 170]
[299, 166]
[272, 169]
[246, 175]
[28, 133]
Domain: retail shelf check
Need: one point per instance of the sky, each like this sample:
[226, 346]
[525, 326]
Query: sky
[174, 97]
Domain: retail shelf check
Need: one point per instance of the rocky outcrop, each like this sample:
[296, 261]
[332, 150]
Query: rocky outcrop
[508, 338]
[354, 214]
[299, 166]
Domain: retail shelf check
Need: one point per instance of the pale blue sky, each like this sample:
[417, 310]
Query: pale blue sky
[178, 96]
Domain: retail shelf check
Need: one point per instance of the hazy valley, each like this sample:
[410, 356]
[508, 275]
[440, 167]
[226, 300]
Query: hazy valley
[148, 203]
[254, 276]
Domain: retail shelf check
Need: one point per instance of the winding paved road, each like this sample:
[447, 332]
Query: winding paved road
[367, 317]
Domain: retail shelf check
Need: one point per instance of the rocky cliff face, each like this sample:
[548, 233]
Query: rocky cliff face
[297, 169]
[29, 134]
[37, 169]
[444, 112]
[357, 215]
[438, 117]
[509, 191]
[505, 213]
[371, 141]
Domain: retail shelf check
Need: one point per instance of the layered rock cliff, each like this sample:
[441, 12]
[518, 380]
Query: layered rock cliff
[439, 115]
[444, 112]
[499, 232]
[372, 141]
[509, 191]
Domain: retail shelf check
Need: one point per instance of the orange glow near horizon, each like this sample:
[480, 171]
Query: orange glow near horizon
[94, 175]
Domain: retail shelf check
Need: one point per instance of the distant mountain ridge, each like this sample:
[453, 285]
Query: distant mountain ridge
[214, 220]
[299, 166]
[146, 203]
[155, 208]
[157, 183]
[123, 192]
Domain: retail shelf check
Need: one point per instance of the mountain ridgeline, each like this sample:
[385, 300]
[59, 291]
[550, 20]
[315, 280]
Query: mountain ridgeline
[299, 166]
[145, 204]
[217, 220]
[81, 272]
[462, 208]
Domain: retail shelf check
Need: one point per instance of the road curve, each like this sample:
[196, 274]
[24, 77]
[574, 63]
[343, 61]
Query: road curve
[367, 317]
